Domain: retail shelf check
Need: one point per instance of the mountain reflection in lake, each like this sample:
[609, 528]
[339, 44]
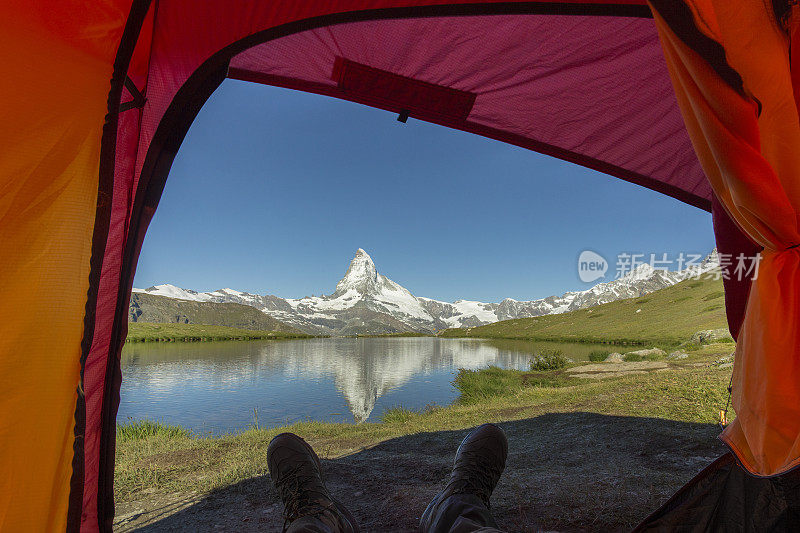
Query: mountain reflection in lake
[216, 387]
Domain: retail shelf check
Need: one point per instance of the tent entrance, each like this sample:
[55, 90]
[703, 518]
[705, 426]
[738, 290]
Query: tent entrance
[536, 75]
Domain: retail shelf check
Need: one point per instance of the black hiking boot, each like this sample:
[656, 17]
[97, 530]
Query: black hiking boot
[297, 477]
[479, 462]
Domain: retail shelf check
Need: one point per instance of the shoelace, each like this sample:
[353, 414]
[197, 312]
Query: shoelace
[479, 475]
[297, 499]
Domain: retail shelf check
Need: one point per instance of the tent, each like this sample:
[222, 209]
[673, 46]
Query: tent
[696, 99]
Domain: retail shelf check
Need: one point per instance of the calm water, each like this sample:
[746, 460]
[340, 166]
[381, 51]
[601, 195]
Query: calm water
[215, 387]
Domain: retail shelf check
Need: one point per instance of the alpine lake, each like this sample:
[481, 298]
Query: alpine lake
[214, 388]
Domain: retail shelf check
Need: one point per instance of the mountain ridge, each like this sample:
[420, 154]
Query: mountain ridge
[367, 302]
[152, 308]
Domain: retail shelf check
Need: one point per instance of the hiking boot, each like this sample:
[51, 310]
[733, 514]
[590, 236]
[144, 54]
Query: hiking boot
[296, 474]
[479, 462]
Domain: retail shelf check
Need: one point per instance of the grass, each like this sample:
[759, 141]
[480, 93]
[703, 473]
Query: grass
[714, 295]
[476, 386]
[664, 318]
[396, 334]
[153, 458]
[149, 332]
[145, 429]
[397, 415]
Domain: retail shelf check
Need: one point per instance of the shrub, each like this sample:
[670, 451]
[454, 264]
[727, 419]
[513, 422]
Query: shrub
[598, 355]
[632, 358]
[548, 360]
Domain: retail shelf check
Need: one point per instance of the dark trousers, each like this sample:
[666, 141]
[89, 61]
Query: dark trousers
[460, 513]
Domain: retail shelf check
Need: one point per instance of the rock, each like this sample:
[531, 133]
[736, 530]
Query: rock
[708, 336]
[679, 354]
[614, 358]
[725, 361]
[647, 352]
[726, 358]
[600, 370]
[601, 375]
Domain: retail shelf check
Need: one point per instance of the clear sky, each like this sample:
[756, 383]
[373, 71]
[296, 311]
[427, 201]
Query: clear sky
[273, 191]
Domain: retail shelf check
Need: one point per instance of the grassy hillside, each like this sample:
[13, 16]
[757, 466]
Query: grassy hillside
[160, 309]
[668, 316]
[149, 332]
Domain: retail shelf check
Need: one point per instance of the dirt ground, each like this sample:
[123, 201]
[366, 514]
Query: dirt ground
[565, 472]
[606, 370]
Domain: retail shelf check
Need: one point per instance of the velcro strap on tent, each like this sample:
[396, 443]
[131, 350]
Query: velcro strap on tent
[137, 98]
[401, 94]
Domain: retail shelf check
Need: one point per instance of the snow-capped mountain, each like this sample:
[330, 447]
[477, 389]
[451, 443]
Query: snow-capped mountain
[367, 302]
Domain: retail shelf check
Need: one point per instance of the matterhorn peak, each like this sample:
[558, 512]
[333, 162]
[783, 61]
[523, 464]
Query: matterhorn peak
[361, 275]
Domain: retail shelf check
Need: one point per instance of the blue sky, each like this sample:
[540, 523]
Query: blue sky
[274, 190]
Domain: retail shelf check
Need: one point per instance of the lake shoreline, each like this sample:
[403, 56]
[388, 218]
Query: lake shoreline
[179, 332]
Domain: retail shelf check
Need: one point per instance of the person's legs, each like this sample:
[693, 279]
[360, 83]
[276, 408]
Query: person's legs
[463, 505]
[296, 474]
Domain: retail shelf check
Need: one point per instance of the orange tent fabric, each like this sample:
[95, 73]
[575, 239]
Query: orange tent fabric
[52, 108]
[748, 140]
